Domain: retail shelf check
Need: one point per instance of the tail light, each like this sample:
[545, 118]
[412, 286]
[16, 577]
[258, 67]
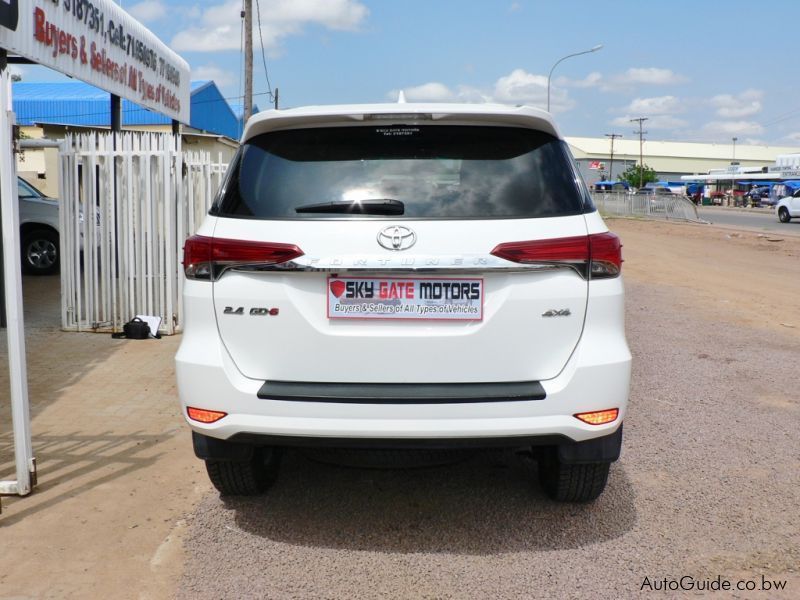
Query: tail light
[206, 258]
[597, 256]
[599, 417]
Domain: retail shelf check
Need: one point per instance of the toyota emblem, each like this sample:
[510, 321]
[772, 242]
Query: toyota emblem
[396, 237]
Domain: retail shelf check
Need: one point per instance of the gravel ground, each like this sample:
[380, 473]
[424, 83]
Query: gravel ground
[707, 486]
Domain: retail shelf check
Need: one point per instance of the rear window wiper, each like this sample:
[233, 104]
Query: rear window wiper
[370, 206]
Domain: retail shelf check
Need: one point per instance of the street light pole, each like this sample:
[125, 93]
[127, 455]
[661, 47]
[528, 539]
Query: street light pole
[734, 148]
[563, 58]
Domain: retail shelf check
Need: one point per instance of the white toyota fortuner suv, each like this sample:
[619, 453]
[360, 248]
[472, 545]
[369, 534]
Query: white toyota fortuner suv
[399, 276]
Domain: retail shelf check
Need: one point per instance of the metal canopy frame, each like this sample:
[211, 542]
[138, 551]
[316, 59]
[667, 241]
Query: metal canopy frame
[11, 307]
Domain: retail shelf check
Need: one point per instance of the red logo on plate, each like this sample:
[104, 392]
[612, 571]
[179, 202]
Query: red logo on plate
[337, 288]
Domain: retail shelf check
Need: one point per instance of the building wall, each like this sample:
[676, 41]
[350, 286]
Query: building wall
[670, 160]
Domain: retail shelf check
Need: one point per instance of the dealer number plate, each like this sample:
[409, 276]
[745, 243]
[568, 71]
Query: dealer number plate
[413, 298]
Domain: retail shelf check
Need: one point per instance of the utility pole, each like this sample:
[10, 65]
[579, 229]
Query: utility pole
[641, 121]
[613, 136]
[276, 98]
[247, 15]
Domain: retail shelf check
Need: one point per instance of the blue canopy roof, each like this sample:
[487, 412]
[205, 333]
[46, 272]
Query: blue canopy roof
[78, 103]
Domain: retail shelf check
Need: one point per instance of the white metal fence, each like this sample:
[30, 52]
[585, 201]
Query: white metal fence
[125, 213]
[666, 206]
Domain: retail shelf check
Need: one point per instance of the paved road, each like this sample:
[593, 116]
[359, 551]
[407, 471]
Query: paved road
[766, 221]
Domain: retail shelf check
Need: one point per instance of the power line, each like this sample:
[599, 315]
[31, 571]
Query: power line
[263, 54]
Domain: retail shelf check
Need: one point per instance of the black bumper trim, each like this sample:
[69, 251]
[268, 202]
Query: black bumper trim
[256, 439]
[402, 393]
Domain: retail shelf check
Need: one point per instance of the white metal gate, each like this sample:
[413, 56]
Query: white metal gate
[125, 213]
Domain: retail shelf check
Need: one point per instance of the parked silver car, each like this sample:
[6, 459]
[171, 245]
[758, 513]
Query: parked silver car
[38, 220]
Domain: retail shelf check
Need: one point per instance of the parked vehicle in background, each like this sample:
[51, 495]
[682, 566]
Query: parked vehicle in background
[372, 276]
[788, 208]
[755, 195]
[38, 220]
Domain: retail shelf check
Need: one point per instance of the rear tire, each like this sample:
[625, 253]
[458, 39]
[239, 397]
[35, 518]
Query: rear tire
[40, 252]
[572, 482]
[245, 477]
[783, 215]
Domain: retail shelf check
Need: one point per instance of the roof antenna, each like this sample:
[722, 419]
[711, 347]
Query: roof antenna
[401, 97]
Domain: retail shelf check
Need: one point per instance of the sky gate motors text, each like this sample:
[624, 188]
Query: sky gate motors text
[423, 290]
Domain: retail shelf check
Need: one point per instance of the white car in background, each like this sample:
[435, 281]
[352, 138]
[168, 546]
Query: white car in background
[788, 208]
[38, 221]
[398, 276]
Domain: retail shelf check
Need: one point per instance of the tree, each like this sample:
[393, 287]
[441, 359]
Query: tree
[633, 173]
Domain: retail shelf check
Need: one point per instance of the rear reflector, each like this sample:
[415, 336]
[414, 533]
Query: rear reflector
[601, 252]
[206, 257]
[204, 416]
[599, 417]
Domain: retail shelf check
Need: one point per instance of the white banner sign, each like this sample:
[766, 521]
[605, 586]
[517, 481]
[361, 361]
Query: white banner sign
[99, 43]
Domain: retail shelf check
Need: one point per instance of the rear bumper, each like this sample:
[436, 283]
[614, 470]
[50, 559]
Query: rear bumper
[240, 446]
[596, 377]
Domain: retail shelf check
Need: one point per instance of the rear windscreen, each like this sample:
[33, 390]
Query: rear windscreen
[435, 171]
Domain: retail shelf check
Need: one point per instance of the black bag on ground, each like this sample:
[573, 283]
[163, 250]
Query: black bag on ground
[135, 329]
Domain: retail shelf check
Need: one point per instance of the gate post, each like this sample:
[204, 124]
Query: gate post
[17, 364]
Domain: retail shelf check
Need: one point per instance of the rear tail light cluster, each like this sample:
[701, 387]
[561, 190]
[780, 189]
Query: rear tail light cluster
[598, 255]
[205, 258]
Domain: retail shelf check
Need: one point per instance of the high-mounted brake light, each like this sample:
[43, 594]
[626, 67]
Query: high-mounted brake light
[600, 251]
[206, 257]
[204, 416]
[599, 417]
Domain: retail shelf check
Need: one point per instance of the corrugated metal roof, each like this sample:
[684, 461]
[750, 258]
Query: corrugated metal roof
[78, 103]
[600, 147]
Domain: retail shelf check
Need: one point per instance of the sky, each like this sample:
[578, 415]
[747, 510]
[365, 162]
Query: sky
[700, 70]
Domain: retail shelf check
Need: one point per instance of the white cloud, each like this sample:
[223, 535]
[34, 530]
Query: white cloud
[652, 76]
[642, 76]
[658, 122]
[148, 10]
[222, 77]
[660, 105]
[439, 92]
[593, 79]
[731, 128]
[746, 104]
[515, 6]
[518, 87]
[427, 92]
[219, 25]
[521, 87]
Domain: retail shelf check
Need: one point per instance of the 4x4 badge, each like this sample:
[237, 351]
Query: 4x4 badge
[397, 237]
[557, 312]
